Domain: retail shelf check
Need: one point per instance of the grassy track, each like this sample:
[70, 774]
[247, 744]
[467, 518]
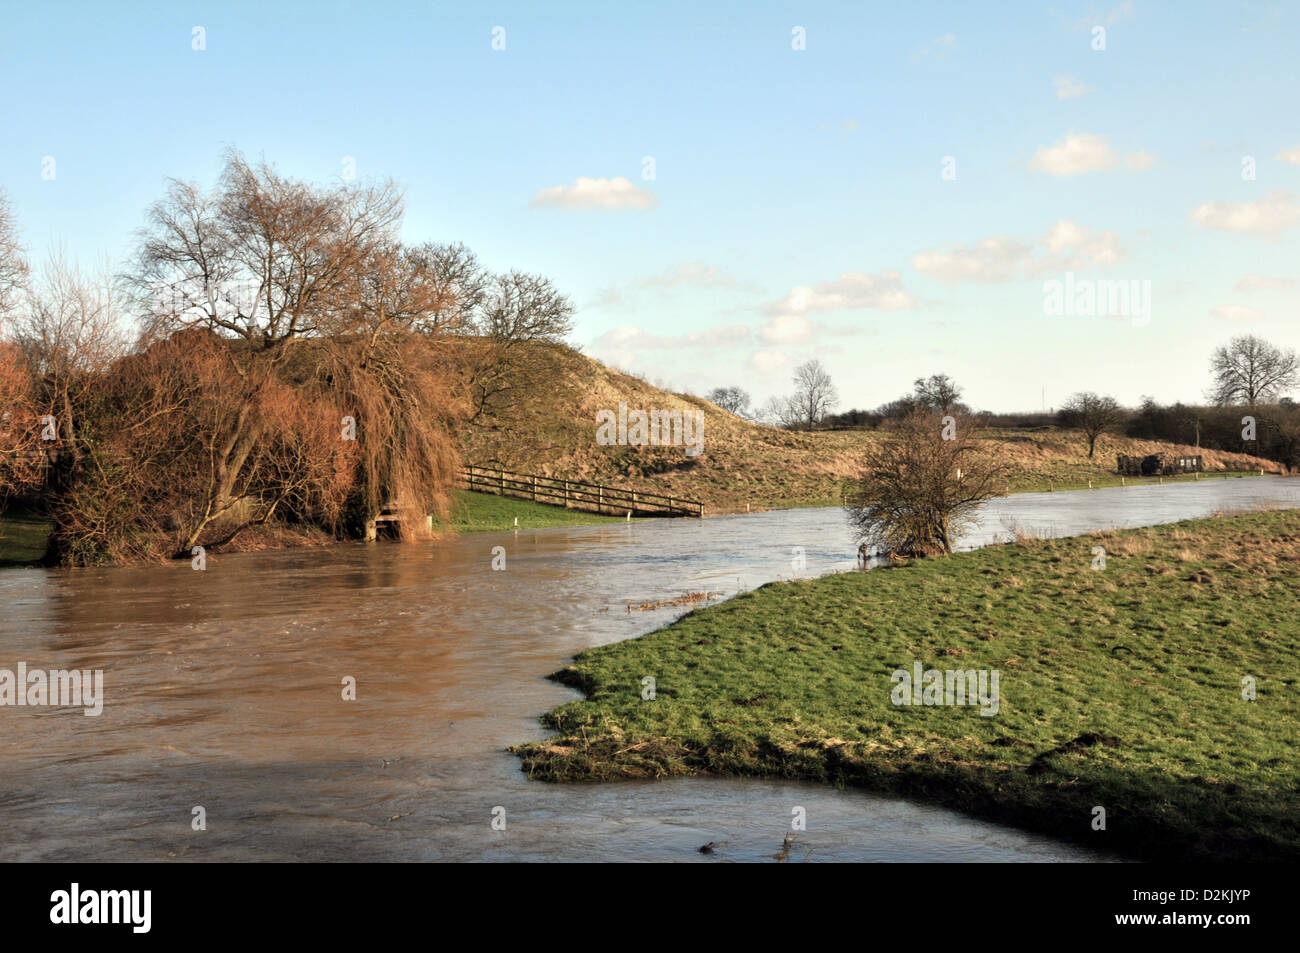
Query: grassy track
[484, 512]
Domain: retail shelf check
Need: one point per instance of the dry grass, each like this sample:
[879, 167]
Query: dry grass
[748, 465]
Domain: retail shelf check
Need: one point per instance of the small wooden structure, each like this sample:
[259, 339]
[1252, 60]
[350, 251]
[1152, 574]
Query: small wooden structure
[390, 514]
[1158, 464]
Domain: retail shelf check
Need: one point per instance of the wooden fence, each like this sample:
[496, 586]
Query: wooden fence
[576, 495]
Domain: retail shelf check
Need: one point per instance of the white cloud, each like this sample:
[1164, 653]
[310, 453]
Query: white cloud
[938, 48]
[768, 360]
[1066, 246]
[1253, 283]
[608, 298]
[1236, 313]
[690, 273]
[1071, 245]
[629, 337]
[612, 193]
[1123, 11]
[1139, 161]
[787, 330]
[849, 292]
[1074, 155]
[1269, 216]
[989, 259]
[1291, 155]
[1067, 88]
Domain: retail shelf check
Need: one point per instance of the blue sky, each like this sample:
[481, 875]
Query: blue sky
[798, 206]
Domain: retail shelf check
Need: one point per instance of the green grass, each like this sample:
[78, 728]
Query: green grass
[1120, 688]
[23, 535]
[485, 512]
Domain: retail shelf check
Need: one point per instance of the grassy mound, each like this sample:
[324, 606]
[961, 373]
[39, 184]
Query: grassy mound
[553, 433]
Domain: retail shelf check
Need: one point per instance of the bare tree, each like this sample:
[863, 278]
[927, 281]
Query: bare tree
[13, 261]
[69, 333]
[505, 340]
[1250, 369]
[731, 399]
[815, 395]
[460, 280]
[262, 257]
[20, 430]
[918, 489]
[939, 393]
[1092, 413]
[778, 412]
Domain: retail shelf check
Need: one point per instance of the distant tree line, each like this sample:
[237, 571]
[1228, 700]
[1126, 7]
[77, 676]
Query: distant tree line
[1249, 378]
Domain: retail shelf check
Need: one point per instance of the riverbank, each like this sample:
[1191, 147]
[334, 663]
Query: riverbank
[1120, 688]
[486, 513]
[23, 533]
[1102, 480]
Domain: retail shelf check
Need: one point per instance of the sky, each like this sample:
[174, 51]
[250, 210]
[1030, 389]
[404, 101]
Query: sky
[727, 190]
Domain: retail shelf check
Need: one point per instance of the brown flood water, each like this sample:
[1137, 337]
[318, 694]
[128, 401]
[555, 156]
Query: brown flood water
[223, 691]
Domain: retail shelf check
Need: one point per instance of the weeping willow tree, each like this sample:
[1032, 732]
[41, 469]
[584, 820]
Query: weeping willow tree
[151, 446]
[387, 359]
[399, 393]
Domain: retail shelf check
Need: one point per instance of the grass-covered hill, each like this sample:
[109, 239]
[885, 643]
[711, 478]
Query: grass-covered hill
[552, 432]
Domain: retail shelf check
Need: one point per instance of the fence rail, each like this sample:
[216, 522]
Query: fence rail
[575, 494]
